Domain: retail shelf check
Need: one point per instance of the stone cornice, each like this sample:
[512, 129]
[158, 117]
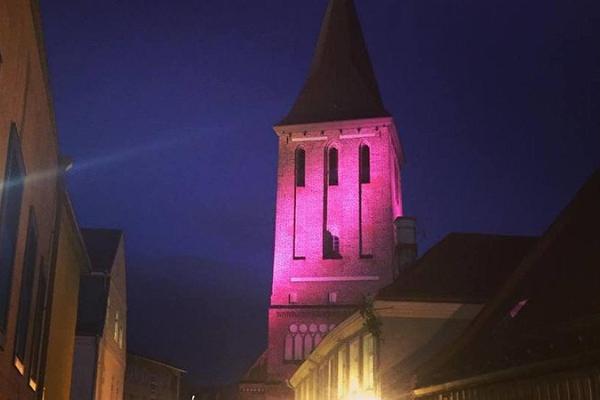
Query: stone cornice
[334, 125]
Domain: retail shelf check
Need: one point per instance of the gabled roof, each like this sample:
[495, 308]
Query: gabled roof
[341, 84]
[548, 309]
[102, 245]
[462, 267]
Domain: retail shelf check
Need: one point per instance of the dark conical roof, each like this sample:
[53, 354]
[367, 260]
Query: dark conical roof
[341, 84]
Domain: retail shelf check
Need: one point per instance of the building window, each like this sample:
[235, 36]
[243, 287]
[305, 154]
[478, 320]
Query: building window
[300, 167]
[293, 299]
[38, 322]
[332, 167]
[331, 246]
[116, 327]
[289, 347]
[24, 311]
[365, 164]
[332, 297]
[10, 210]
[302, 339]
[121, 337]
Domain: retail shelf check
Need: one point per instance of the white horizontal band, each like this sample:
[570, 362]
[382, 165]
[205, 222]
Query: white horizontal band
[309, 139]
[336, 278]
[358, 135]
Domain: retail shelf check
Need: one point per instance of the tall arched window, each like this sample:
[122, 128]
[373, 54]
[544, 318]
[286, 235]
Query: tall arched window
[302, 338]
[332, 167]
[300, 163]
[365, 164]
[289, 348]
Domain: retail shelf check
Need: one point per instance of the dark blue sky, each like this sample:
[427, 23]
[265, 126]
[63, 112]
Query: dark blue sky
[166, 106]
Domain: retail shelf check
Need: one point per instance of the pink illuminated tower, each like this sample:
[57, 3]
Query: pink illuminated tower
[338, 195]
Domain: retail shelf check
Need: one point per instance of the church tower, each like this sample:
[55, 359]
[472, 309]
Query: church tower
[338, 195]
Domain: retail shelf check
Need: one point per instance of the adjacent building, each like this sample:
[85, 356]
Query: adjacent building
[539, 336]
[41, 253]
[338, 195]
[71, 264]
[100, 345]
[374, 353]
[148, 379]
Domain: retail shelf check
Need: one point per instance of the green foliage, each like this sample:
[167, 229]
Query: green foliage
[371, 322]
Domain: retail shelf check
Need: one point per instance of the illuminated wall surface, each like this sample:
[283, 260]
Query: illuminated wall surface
[110, 379]
[338, 195]
[348, 373]
[357, 216]
[70, 264]
[29, 150]
[101, 346]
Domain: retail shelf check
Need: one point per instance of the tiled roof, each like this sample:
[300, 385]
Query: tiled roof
[462, 267]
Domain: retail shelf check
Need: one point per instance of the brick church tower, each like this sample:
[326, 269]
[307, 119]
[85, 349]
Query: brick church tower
[338, 195]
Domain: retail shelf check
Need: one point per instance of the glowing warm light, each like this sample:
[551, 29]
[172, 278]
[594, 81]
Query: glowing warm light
[19, 366]
[362, 395]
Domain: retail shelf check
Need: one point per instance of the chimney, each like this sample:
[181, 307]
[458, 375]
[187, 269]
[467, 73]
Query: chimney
[406, 242]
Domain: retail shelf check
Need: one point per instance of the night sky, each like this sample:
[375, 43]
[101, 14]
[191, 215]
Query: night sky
[166, 107]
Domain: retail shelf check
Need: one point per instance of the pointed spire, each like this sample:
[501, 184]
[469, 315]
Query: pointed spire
[341, 84]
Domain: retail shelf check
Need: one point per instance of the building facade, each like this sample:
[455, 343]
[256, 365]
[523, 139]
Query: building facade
[148, 379]
[538, 337]
[338, 195]
[33, 208]
[72, 262]
[100, 345]
[374, 353]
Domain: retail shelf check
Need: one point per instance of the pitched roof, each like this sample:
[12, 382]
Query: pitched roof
[549, 308]
[462, 267]
[341, 84]
[102, 245]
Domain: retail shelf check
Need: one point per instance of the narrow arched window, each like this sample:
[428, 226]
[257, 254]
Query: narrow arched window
[308, 345]
[298, 347]
[289, 348]
[300, 170]
[332, 167]
[365, 164]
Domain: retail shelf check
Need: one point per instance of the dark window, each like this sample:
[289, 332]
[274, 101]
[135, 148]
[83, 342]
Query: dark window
[12, 191]
[332, 170]
[331, 246]
[29, 262]
[300, 167]
[365, 164]
[38, 323]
